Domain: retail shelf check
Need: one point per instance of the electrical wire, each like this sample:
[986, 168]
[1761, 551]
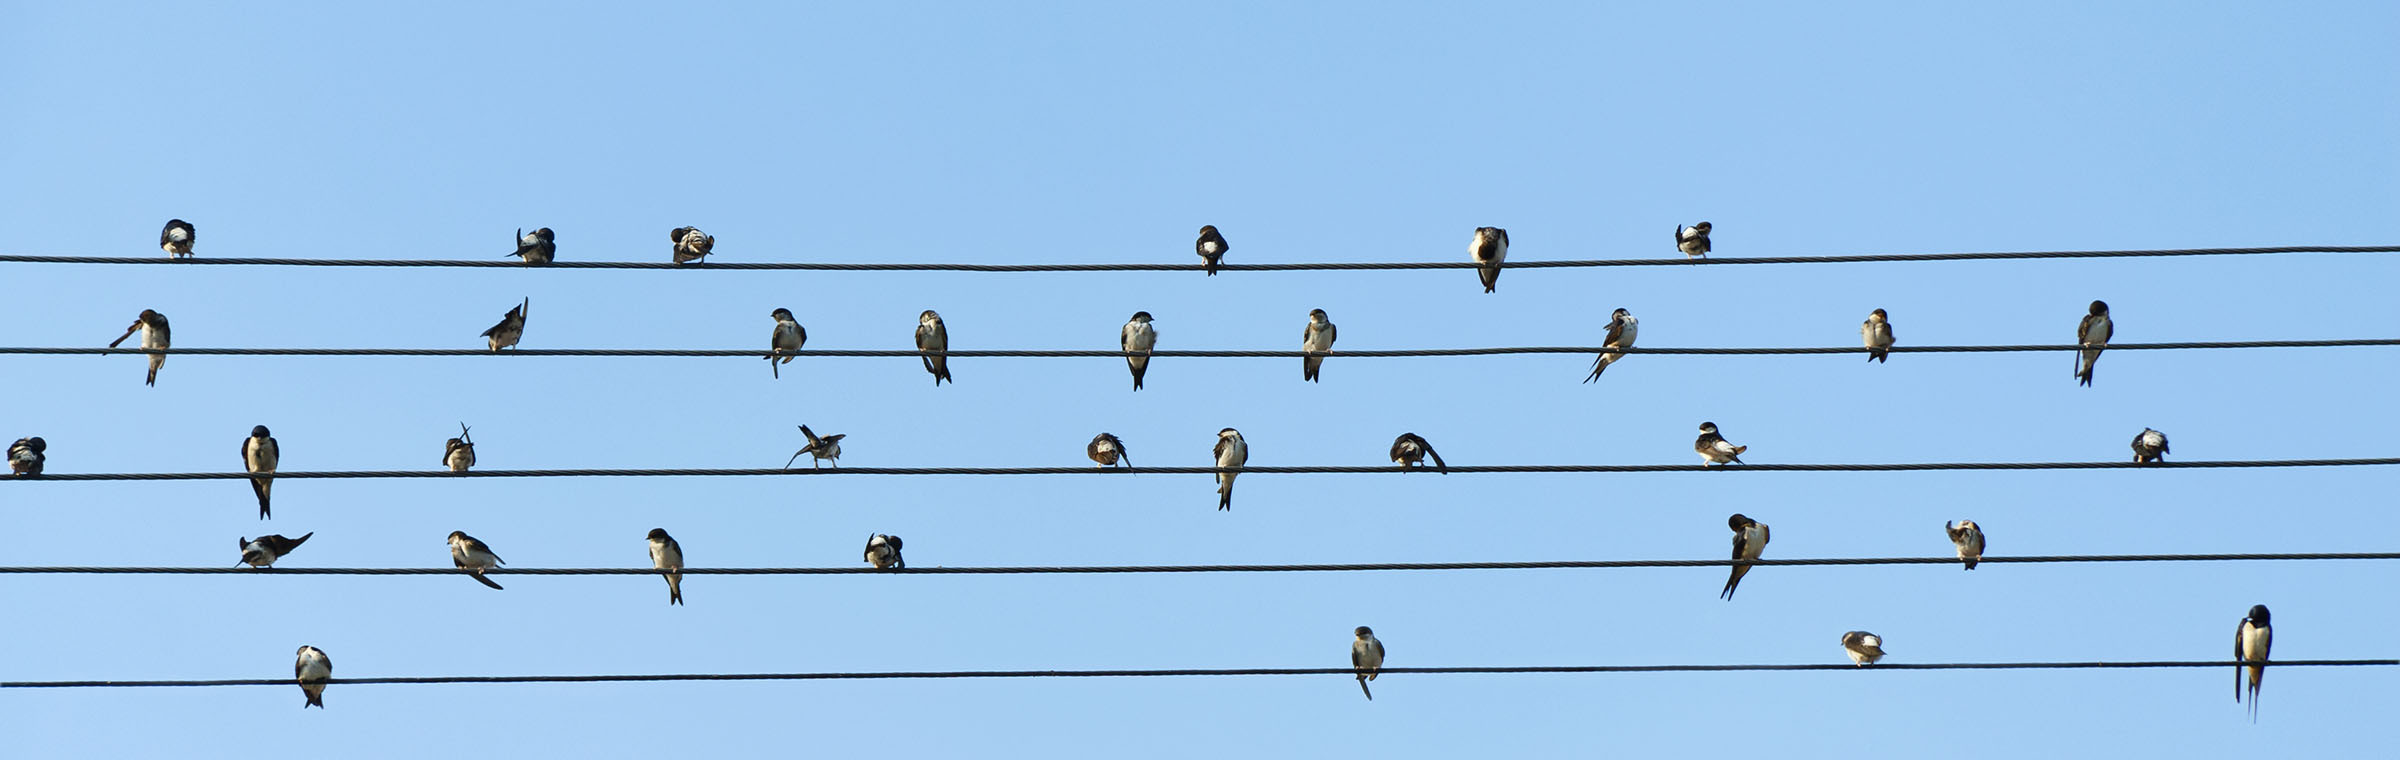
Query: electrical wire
[1183, 354]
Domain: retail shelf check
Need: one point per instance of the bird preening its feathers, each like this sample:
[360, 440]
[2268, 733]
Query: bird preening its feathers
[311, 670]
[264, 550]
[511, 327]
[1749, 541]
[1968, 537]
[1410, 450]
[1864, 648]
[2149, 446]
[1489, 248]
[458, 454]
[1211, 247]
[155, 337]
[1693, 240]
[1106, 451]
[827, 449]
[1231, 451]
[691, 244]
[1622, 328]
[933, 343]
[1877, 332]
[541, 247]
[25, 456]
[2093, 333]
[884, 552]
[177, 238]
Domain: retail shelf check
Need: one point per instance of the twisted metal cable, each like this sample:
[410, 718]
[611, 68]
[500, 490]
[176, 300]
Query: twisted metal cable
[1176, 354]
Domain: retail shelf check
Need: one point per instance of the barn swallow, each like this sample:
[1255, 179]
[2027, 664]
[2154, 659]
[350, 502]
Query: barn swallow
[1410, 450]
[1714, 448]
[1877, 332]
[25, 456]
[1107, 451]
[1488, 248]
[1138, 337]
[1622, 328]
[1864, 648]
[511, 327]
[691, 244]
[459, 453]
[828, 448]
[788, 336]
[1231, 451]
[177, 238]
[2250, 641]
[1212, 248]
[154, 336]
[2093, 333]
[2150, 446]
[1366, 654]
[541, 247]
[934, 341]
[1749, 541]
[667, 555]
[884, 552]
[1969, 538]
[259, 455]
[1317, 338]
[264, 550]
[473, 556]
[311, 670]
[1692, 241]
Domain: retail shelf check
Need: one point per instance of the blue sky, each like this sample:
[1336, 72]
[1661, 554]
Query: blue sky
[1097, 133]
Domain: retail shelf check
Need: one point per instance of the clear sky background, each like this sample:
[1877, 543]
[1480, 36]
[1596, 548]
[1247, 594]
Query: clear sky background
[957, 132]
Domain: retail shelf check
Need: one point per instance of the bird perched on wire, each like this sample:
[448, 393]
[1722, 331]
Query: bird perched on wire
[2251, 640]
[1877, 332]
[25, 457]
[1366, 654]
[1622, 328]
[1968, 537]
[2093, 333]
[2149, 446]
[264, 550]
[1317, 338]
[311, 670]
[177, 238]
[826, 449]
[1714, 449]
[884, 552]
[1138, 338]
[667, 555]
[1231, 451]
[155, 337]
[511, 327]
[473, 556]
[1410, 450]
[1749, 541]
[789, 336]
[1212, 248]
[1106, 450]
[458, 454]
[260, 455]
[1864, 648]
[1692, 241]
[933, 343]
[691, 244]
[1488, 248]
[541, 247]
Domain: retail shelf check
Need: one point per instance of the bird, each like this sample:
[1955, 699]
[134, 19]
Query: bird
[1212, 248]
[458, 454]
[25, 456]
[788, 336]
[884, 552]
[667, 555]
[934, 341]
[1366, 654]
[1622, 328]
[1969, 538]
[155, 337]
[1864, 648]
[2093, 333]
[259, 455]
[1231, 451]
[1316, 338]
[473, 556]
[1138, 337]
[177, 238]
[2250, 641]
[828, 448]
[1488, 248]
[511, 327]
[311, 670]
[1108, 451]
[691, 244]
[1714, 448]
[1877, 331]
[1410, 450]
[1692, 241]
[2150, 446]
[1749, 541]
[541, 247]
[264, 550]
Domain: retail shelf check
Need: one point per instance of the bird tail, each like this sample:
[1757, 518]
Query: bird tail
[1737, 453]
[316, 696]
[156, 361]
[1491, 278]
[674, 588]
[1212, 267]
[1225, 493]
[1599, 364]
[1734, 582]
[483, 580]
[1362, 686]
[1308, 367]
[262, 487]
[1138, 371]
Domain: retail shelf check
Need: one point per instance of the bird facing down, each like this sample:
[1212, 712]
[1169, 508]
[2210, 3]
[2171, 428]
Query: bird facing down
[471, 555]
[826, 449]
[884, 552]
[1366, 654]
[311, 670]
[264, 550]
[933, 341]
[789, 336]
[1410, 450]
[1749, 541]
[511, 327]
[1968, 537]
[1212, 248]
[1489, 248]
[1231, 451]
[541, 247]
[1138, 338]
[1864, 648]
[1316, 338]
[2150, 446]
[1107, 451]
[1714, 449]
[2093, 333]
[25, 457]
[1622, 328]
[155, 336]
[1693, 240]
[691, 244]
[1877, 331]
[260, 455]
[458, 454]
[667, 555]
[2251, 640]
[177, 238]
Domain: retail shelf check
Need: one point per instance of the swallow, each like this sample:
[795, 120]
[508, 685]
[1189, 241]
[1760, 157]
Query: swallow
[1138, 337]
[473, 556]
[459, 453]
[1692, 241]
[1714, 448]
[1107, 451]
[1410, 450]
[1864, 648]
[667, 555]
[2150, 446]
[2250, 641]
[1488, 248]
[1212, 248]
[1316, 338]
[884, 552]
[1366, 654]
[691, 244]
[511, 327]
[934, 341]
[828, 448]
[541, 247]
[259, 455]
[25, 456]
[1749, 541]
[2093, 333]
[264, 550]
[1231, 451]
[789, 336]
[1969, 538]
[311, 670]
[1877, 332]
[155, 337]
[177, 238]
[1622, 328]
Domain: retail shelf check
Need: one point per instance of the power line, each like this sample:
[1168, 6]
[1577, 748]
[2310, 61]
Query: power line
[1183, 354]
